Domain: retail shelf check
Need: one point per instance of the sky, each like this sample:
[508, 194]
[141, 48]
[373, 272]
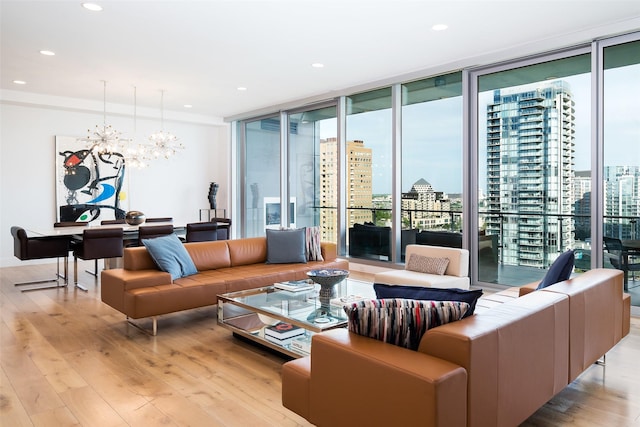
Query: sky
[432, 133]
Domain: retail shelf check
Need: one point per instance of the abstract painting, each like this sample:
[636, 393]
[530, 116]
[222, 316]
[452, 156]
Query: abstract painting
[89, 185]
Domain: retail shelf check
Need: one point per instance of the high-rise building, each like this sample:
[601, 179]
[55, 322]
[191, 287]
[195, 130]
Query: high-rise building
[530, 159]
[622, 201]
[359, 188]
[581, 188]
[424, 209]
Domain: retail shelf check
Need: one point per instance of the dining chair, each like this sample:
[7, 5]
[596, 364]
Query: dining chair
[151, 231]
[620, 258]
[72, 242]
[30, 248]
[202, 231]
[112, 221]
[163, 219]
[224, 227]
[99, 243]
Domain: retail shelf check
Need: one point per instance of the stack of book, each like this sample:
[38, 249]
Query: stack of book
[295, 285]
[282, 333]
[302, 343]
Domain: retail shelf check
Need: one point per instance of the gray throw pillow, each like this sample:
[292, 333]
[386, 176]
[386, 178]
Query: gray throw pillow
[286, 246]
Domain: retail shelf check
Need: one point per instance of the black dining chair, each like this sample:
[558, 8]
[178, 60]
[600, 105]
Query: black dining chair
[202, 231]
[72, 242]
[620, 258]
[161, 219]
[100, 243]
[151, 231]
[29, 248]
[112, 221]
[224, 227]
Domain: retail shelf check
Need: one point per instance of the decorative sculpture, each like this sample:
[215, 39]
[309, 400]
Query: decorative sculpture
[213, 190]
[134, 218]
[255, 193]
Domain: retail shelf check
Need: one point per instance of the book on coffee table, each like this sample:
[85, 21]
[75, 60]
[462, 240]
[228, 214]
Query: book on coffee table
[295, 285]
[283, 330]
[350, 299]
[302, 343]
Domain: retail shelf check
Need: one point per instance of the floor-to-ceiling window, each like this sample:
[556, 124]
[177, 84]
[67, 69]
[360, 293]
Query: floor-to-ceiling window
[369, 167]
[621, 173]
[532, 144]
[313, 170]
[533, 165]
[432, 163]
[261, 176]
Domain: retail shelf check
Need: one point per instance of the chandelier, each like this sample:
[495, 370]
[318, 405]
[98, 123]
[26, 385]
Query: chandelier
[164, 144]
[136, 155]
[104, 139]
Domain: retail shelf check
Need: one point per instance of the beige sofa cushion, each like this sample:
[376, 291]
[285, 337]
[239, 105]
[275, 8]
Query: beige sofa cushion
[456, 274]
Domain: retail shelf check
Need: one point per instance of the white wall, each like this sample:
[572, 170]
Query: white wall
[177, 187]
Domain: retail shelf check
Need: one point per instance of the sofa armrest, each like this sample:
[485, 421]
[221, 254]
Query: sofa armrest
[329, 251]
[115, 282]
[351, 373]
[528, 288]
[296, 378]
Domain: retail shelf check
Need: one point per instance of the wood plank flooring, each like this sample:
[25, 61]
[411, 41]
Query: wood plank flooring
[67, 359]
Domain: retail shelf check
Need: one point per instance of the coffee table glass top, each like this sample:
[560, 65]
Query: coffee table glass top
[301, 308]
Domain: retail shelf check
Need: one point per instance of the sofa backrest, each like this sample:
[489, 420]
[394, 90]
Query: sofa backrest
[515, 355]
[252, 250]
[458, 258]
[209, 255]
[218, 254]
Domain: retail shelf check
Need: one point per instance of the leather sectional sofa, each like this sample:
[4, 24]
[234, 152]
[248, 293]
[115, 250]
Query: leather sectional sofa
[140, 289]
[494, 368]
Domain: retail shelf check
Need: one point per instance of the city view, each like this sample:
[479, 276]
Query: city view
[534, 198]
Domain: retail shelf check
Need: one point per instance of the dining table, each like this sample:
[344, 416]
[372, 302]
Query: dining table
[130, 231]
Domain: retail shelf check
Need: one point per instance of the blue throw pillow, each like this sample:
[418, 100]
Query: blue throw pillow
[429, 294]
[286, 246]
[170, 255]
[559, 271]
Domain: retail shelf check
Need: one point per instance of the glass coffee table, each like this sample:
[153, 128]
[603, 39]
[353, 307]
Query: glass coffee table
[248, 313]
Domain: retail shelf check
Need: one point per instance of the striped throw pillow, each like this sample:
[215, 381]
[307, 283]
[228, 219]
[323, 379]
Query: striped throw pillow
[314, 252]
[401, 322]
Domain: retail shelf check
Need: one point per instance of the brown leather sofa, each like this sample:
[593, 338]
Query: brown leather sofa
[494, 368]
[140, 289]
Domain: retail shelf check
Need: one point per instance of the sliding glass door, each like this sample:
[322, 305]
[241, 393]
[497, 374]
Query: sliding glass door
[261, 175]
[621, 174]
[313, 170]
[534, 167]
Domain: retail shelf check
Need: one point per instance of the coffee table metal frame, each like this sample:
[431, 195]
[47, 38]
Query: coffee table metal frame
[245, 312]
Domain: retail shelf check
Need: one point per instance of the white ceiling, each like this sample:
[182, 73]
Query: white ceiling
[199, 52]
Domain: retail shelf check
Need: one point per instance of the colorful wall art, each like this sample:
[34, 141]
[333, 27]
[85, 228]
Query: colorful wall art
[89, 185]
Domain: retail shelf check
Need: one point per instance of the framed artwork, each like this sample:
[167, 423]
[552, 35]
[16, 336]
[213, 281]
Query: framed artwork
[89, 185]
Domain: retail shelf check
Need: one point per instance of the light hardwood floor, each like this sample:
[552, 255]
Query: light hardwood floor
[69, 360]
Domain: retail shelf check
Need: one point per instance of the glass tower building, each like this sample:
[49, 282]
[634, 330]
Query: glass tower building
[530, 166]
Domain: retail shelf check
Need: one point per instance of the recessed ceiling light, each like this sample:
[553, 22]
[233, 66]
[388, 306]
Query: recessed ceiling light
[439, 27]
[92, 7]
[47, 52]
[242, 88]
[20, 82]
[317, 65]
[187, 106]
